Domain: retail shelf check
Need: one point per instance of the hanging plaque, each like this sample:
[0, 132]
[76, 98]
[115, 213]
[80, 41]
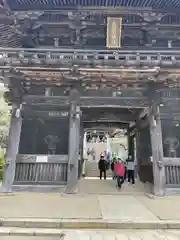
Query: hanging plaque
[114, 30]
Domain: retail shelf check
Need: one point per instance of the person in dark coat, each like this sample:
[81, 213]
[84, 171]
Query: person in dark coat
[102, 164]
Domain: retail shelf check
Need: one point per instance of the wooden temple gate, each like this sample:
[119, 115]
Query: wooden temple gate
[63, 70]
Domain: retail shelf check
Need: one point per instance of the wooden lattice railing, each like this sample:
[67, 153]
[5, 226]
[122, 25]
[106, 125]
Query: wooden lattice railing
[82, 56]
[172, 172]
[32, 170]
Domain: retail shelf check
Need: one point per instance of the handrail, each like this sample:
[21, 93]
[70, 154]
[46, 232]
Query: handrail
[39, 56]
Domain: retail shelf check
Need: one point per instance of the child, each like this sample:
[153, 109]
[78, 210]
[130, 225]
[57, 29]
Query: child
[120, 170]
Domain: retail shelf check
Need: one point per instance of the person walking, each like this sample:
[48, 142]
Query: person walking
[102, 165]
[112, 168]
[120, 170]
[125, 166]
[130, 169]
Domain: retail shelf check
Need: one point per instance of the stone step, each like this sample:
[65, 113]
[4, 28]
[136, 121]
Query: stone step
[58, 224]
[76, 234]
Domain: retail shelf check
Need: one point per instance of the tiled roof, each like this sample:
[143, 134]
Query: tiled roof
[54, 4]
[8, 36]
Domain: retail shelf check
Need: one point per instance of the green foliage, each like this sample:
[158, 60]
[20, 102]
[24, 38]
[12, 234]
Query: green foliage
[4, 120]
[1, 165]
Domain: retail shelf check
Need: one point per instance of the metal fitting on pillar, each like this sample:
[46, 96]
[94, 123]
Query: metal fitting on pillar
[154, 122]
[18, 111]
[76, 113]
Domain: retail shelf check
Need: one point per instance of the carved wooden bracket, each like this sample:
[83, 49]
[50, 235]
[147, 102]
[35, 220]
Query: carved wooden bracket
[32, 15]
[152, 16]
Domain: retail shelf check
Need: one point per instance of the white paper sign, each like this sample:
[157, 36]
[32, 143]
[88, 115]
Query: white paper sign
[42, 159]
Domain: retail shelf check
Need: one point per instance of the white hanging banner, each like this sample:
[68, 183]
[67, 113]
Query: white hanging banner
[42, 159]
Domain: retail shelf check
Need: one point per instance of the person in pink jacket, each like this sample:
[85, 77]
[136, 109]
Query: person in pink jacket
[120, 171]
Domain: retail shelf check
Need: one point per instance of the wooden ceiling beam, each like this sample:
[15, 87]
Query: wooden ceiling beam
[87, 69]
[108, 117]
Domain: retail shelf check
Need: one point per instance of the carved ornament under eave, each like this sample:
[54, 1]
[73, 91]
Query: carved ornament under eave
[77, 15]
[93, 34]
[166, 34]
[28, 14]
[73, 74]
[151, 16]
[77, 25]
[173, 80]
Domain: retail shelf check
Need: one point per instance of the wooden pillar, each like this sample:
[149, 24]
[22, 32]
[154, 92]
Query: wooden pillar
[12, 149]
[137, 156]
[81, 146]
[81, 142]
[74, 141]
[157, 153]
[130, 144]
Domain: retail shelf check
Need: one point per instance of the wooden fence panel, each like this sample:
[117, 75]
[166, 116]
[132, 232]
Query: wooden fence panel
[29, 171]
[172, 172]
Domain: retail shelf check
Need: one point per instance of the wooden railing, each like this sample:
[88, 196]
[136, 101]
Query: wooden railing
[172, 172]
[16, 56]
[39, 169]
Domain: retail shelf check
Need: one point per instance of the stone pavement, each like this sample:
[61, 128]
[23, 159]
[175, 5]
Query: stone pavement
[88, 211]
[103, 235]
[107, 187]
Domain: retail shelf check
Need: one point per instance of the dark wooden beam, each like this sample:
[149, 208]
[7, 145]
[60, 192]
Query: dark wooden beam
[126, 118]
[59, 114]
[105, 125]
[110, 102]
[101, 10]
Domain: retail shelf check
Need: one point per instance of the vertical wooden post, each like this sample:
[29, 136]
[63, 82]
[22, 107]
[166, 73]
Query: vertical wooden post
[130, 144]
[81, 141]
[81, 146]
[12, 150]
[157, 153]
[137, 160]
[84, 155]
[74, 141]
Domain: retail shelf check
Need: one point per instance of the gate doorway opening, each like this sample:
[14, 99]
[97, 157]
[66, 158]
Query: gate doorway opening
[104, 139]
[118, 132]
